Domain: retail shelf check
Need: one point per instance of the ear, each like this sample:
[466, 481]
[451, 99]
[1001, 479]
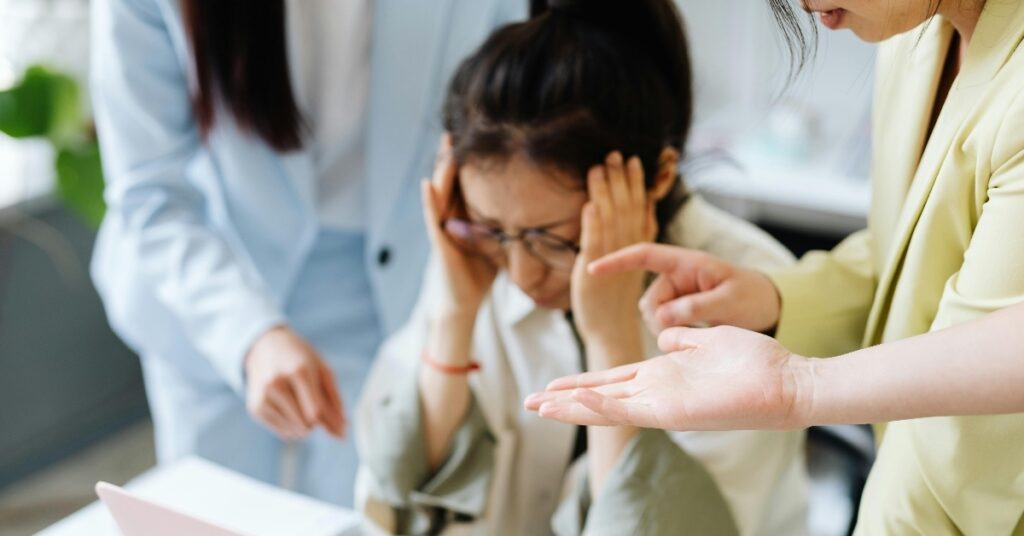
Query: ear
[668, 173]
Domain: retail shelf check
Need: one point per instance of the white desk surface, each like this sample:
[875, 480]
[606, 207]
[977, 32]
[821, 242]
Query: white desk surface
[203, 489]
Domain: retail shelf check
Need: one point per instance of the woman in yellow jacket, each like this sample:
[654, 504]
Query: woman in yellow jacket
[944, 245]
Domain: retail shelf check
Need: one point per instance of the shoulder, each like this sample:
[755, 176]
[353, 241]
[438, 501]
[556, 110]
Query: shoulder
[700, 225]
[1008, 143]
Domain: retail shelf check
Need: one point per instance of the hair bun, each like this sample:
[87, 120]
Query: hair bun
[569, 6]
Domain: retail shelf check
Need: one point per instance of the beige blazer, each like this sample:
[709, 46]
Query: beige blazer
[944, 244]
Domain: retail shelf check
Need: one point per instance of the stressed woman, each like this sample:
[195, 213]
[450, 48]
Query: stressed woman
[565, 135]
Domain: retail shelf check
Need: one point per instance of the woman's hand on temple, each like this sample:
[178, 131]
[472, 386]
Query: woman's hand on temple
[694, 288]
[617, 215]
[467, 278]
[289, 387]
[722, 378]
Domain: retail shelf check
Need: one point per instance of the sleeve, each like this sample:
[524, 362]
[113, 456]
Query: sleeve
[391, 439]
[655, 488]
[826, 298]
[148, 136]
[982, 491]
[991, 277]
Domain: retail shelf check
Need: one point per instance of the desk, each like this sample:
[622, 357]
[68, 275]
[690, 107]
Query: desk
[200, 488]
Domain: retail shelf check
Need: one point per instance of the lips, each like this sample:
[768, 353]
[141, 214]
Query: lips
[831, 15]
[832, 19]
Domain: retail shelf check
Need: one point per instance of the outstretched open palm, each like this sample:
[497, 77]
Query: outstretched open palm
[721, 378]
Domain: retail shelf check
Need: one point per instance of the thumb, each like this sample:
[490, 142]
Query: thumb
[701, 308]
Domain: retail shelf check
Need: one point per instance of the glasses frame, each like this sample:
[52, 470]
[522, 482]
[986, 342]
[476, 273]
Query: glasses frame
[504, 240]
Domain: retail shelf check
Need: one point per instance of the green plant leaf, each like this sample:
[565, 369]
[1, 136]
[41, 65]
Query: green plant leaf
[80, 181]
[43, 103]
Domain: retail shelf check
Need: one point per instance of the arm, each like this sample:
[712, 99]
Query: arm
[160, 215]
[463, 283]
[604, 308]
[149, 138]
[393, 432]
[970, 369]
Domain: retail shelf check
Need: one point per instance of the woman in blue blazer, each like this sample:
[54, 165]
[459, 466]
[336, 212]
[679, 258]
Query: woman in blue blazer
[255, 283]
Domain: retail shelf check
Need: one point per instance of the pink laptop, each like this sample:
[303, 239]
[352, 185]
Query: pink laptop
[138, 517]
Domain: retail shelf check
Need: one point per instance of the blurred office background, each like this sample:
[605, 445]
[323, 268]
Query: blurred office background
[791, 156]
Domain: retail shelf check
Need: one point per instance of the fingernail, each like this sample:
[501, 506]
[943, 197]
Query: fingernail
[615, 158]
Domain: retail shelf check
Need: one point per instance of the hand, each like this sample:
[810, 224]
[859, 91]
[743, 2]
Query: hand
[618, 215]
[467, 279]
[722, 378]
[697, 289]
[289, 388]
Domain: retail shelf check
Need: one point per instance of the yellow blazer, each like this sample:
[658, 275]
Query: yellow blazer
[944, 245]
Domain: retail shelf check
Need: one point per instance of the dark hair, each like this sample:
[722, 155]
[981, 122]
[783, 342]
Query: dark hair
[575, 82]
[240, 57]
[801, 42]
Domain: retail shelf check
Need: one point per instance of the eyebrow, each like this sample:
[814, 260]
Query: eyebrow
[491, 221]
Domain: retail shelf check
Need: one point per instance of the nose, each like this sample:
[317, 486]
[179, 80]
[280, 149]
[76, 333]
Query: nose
[525, 270]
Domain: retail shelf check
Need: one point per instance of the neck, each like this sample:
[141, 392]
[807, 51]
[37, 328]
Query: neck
[963, 15]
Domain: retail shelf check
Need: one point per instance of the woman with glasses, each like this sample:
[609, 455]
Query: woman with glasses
[565, 135]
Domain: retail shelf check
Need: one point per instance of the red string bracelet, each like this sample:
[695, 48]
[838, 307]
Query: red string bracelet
[445, 368]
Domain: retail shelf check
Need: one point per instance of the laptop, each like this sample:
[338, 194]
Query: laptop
[136, 516]
[195, 497]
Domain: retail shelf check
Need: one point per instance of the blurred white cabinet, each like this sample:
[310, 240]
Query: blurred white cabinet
[792, 152]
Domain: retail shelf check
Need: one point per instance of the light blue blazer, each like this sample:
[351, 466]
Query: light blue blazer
[202, 241]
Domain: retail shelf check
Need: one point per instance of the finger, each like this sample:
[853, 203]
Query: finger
[307, 393]
[681, 339]
[700, 308]
[615, 411]
[431, 216]
[637, 188]
[270, 416]
[595, 378]
[590, 238]
[618, 182]
[444, 169]
[600, 197]
[572, 412]
[284, 400]
[660, 291]
[618, 390]
[336, 410]
[536, 400]
[659, 258]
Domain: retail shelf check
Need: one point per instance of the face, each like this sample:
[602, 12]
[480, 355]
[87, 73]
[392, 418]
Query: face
[873, 20]
[517, 196]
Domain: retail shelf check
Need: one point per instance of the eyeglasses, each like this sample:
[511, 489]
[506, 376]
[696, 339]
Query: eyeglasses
[477, 238]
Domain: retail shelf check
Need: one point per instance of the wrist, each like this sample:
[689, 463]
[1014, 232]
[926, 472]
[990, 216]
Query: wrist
[772, 301]
[264, 339]
[614, 347]
[450, 339]
[803, 380]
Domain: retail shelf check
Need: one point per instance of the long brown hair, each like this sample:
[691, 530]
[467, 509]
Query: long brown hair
[239, 50]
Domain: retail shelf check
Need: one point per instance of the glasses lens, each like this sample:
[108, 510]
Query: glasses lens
[473, 237]
[554, 251]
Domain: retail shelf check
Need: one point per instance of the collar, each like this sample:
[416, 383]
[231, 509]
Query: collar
[999, 32]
